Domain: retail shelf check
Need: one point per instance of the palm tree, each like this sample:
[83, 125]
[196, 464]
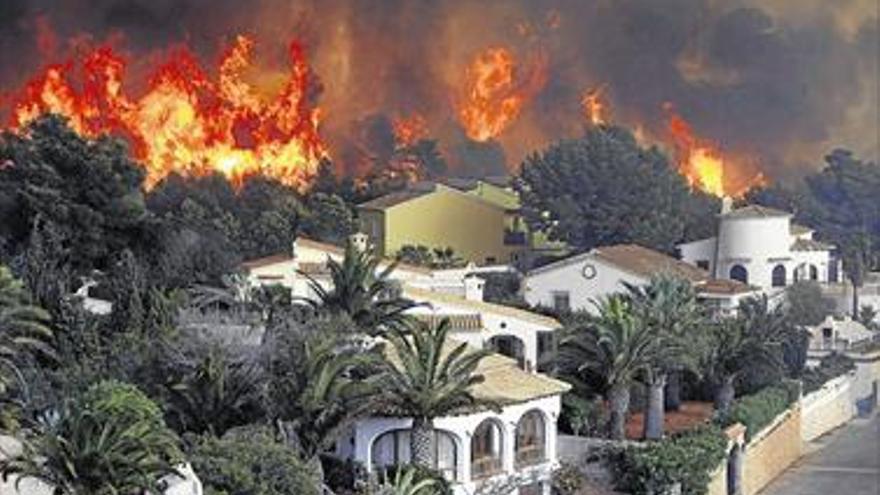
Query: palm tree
[218, 391]
[613, 349]
[83, 451]
[668, 306]
[425, 376]
[753, 340]
[407, 482]
[313, 393]
[368, 296]
[23, 329]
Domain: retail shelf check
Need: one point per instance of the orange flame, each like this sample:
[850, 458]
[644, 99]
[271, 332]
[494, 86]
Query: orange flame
[495, 93]
[409, 130]
[698, 160]
[594, 107]
[185, 122]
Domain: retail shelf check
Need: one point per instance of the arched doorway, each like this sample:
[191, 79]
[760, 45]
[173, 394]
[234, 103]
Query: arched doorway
[778, 276]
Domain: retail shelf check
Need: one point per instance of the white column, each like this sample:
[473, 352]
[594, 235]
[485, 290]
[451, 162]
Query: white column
[508, 447]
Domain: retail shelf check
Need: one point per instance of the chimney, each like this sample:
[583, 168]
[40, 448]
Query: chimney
[473, 288]
[360, 241]
[726, 205]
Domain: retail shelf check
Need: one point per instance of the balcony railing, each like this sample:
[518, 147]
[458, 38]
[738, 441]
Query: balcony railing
[529, 455]
[485, 467]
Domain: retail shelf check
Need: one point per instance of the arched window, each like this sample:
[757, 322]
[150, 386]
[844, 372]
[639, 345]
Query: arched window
[486, 450]
[392, 448]
[530, 439]
[814, 272]
[778, 276]
[739, 272]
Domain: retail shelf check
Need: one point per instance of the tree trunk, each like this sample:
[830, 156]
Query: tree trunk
[618, 399]
[855, 302]
[724, 394]
[316, 470]
[654, 415]
[672, 396]
[421, 443]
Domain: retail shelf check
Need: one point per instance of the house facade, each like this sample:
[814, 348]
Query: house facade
[760, 246]
[521, 335]
[576, 282]
[438, 216]
[515, 447]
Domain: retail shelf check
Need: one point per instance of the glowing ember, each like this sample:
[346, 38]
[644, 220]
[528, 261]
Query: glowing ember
[698, 160]
[409, 130]
[185, 122]
[593, 106]
[495, 92]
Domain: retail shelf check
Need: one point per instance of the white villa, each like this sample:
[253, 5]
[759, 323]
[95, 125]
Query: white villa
[760, 246]
[574, 283]
[514, 448]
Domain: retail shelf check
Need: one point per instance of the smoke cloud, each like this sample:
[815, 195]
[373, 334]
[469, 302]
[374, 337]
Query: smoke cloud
[778, 81]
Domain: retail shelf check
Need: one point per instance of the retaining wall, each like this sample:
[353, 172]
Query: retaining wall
[827, 408]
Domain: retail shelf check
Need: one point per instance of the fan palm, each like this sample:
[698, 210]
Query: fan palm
[312, 393]
[363, 292]
[613, 349]
[23, 329]
[753, 340]
[668, 306]
[86, 452]
[425, 376]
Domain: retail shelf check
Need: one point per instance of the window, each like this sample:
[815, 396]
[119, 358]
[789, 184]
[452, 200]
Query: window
[530, 439]
[486, 450]
[392, 448]
[561, 301]
[778, 276]
[704, 264]
[739, 272]
[814, 272]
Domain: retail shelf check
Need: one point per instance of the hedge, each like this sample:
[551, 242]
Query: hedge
[688, 458]
[758, 410]
[831, 366]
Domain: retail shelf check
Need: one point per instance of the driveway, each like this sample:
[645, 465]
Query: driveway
[844, 462]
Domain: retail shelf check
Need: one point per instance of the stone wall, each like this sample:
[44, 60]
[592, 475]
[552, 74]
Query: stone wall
[772, 450]
[827, 408]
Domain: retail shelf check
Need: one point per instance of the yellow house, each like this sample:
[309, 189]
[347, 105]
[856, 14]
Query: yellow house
[438, 216]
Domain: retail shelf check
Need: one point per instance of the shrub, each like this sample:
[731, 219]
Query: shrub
[441, 485]
[124, 401]
[255, 465]
[758, 410]
[567, 480]
[687, 458]
[831, 366]
[342, 475]
[583, 417]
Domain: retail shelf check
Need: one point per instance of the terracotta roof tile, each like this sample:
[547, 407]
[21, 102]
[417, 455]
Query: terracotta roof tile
[647, 262]
[810, 245]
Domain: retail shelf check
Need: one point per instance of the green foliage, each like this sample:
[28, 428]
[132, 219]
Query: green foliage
[582, 416]
[605, 189]
[99, 445]
[253, 464]
[687, 458]
[361, 291]
[758, 410]
[806, 305]
[312, 388]
[868, 316]
[436, 258]
[24, 330]
[411, 479]
[503, 288]
[567, 480]
[88, 190]
[831, 366]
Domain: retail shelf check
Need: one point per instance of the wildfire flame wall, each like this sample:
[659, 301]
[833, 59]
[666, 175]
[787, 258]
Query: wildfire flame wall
[767, 86]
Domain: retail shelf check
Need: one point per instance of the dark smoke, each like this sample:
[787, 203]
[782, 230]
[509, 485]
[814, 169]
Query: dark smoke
[780, 80]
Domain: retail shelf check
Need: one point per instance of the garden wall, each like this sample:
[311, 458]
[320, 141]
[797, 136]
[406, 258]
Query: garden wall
[827, 408]
[772, 451]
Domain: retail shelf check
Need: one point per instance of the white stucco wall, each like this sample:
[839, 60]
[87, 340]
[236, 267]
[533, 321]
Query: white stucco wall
[697, 251]
[366, 431]
[827, 408]
[540, 285]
